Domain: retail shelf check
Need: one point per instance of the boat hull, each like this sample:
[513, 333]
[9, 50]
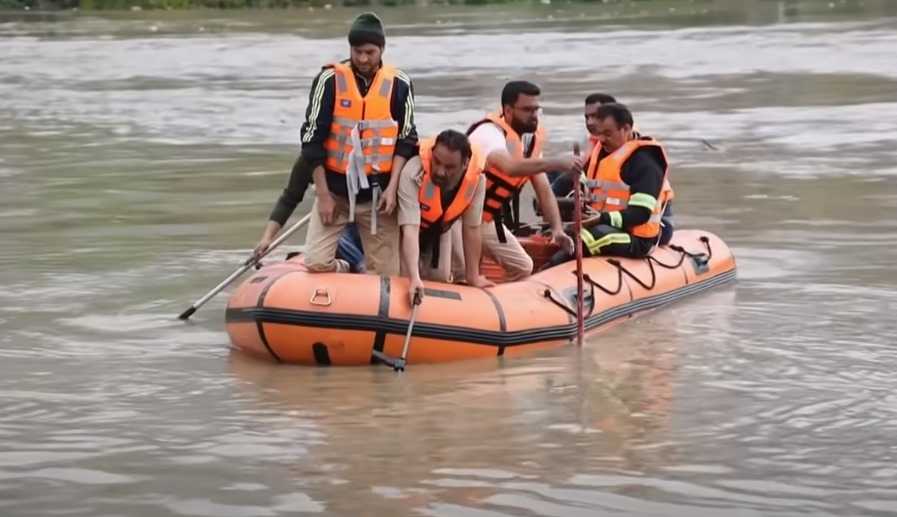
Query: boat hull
[286, 314]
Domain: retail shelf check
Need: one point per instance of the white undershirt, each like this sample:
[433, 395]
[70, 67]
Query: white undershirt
[489, 138]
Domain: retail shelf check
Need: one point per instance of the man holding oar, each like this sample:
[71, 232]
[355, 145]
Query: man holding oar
[627, 175]
[513, 140]
[358, 135]
[563, 184]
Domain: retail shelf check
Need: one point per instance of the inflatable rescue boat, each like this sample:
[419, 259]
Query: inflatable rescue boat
[284, 313]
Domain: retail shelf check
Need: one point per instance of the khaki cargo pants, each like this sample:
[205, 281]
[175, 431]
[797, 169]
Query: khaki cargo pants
[381, 251]
[509, 255]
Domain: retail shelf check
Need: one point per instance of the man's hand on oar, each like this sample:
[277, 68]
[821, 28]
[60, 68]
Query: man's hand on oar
[257, 254]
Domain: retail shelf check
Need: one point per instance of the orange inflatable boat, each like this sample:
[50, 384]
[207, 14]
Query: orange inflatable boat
[287, 314]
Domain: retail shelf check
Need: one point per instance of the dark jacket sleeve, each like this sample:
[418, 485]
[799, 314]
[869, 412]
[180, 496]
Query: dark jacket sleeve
[318, 117]
[403, 113]
[645, 179]
[292, 195]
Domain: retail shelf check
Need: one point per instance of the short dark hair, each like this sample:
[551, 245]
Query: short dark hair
[616, 111]
[600, 98]
[515, 89]
[454, 141]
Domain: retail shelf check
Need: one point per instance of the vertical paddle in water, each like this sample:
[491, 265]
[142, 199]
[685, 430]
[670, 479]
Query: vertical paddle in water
[250, 262]
[398, 363]
[577, 240]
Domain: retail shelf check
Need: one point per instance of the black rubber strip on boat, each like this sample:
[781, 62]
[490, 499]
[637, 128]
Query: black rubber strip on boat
[382, 314]
[463, 334]
[259, 323]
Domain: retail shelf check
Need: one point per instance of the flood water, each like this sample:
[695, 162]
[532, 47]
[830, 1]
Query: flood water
[140, 155]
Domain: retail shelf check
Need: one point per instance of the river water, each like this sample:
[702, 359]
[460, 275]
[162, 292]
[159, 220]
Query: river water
[141, 153]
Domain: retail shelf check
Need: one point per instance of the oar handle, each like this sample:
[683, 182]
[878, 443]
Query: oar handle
[249, 263]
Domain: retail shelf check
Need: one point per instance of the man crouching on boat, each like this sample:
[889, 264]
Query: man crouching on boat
[628, 188]
[441, 193]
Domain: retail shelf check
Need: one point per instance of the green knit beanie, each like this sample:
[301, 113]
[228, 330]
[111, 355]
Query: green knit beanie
[367, 28]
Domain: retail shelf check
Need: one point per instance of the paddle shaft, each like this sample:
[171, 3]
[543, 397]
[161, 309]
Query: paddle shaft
[398, 363]
[410, 328]
[250, 262]
[577, 241]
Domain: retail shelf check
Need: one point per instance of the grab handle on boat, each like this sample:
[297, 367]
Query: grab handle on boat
[321, 292]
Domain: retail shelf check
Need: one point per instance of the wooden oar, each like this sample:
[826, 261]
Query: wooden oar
[250, 262]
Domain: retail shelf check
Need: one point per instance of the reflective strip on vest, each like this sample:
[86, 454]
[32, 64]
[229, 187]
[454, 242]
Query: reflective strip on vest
[613, 185]
[376, 124]
[345, 122]
[377, 141]
[341, 85]
[385, 88]
[376, 159]
[618, 203]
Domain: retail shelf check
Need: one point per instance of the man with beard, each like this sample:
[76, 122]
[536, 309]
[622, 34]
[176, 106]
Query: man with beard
[627, 175]
[512, 141]
[441, 193]
[563, 184]
[358, 135]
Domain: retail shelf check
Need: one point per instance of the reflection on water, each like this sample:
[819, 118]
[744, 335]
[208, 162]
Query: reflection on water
[138, 166]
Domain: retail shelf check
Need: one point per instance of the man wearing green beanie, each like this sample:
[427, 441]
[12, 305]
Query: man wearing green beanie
[358, 134]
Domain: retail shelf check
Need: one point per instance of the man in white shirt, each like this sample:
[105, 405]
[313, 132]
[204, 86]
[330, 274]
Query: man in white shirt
[512, 141]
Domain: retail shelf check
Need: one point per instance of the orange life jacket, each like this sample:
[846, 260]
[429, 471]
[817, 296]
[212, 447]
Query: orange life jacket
[432, 214]
[611, 194]
[499, 186]
[371, 114]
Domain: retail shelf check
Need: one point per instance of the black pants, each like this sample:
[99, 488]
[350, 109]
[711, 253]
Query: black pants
[607, 241]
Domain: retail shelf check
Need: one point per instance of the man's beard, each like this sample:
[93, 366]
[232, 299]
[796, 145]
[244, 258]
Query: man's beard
[524, 127]
[443, 183]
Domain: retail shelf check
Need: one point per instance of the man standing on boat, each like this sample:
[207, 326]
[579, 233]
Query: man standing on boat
[441, 196]
[513, 140]
[627, 175]
[359, 129]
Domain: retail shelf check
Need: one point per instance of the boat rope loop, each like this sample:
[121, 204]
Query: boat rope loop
[701, 261]
[548, 293]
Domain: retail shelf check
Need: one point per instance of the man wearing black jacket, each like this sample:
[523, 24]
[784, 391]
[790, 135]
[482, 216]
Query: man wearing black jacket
[626, 173]
[326, 146]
